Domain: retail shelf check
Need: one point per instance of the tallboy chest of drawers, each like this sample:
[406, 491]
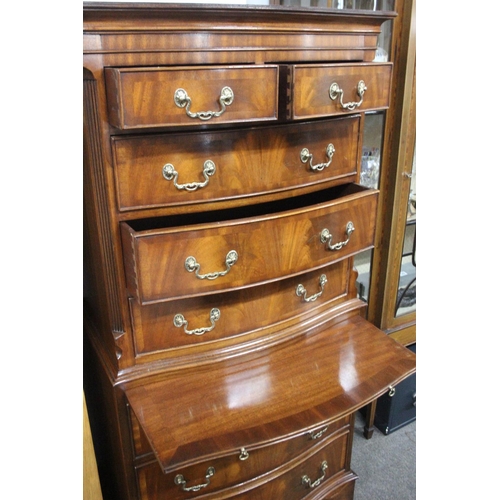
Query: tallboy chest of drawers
[225, 346]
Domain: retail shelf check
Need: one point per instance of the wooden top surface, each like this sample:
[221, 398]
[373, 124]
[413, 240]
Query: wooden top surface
[269, 396]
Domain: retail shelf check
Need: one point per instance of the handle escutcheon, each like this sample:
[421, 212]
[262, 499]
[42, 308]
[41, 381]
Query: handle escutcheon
[192, 266]
[179, 480]
[169, 173]
[180, 321]
[182, 100]
[326, 237]
[335, 91]
[307, 481]
[301, 291]
[306, 156]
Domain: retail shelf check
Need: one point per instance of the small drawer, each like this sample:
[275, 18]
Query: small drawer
[185, 256]
[184, 326]
[248, 467]
[335, 89]
[179, 96]
[177, 169]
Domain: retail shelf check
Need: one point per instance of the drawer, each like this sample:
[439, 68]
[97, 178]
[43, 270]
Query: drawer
[180, 96]
[242, 315]
[176, 169]
[258, 471]
[333, 89]
[193, 255]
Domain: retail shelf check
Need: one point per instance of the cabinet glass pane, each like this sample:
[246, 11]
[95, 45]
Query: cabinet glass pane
[369, 177]
[406, 299]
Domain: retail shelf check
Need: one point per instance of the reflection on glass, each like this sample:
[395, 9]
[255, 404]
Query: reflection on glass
[406, 299]
[369, 177]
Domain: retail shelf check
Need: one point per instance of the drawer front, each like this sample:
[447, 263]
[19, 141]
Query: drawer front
[216, 476]
[330, 90]
[243, 314]
[176, 169]
[185, 261]
[180, 96]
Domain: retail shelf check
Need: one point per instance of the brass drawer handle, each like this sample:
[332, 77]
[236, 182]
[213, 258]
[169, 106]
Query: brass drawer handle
[318, 434]
[326, 237]
[307, 481]
[170, 173]
[301, 291]
[182, 100]
[180, 321]
[305, 156]
[335, 91]
[243, 454]
[179, 480]
[192, 266]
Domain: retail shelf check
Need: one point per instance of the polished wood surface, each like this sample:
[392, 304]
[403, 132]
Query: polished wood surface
[269, 247]
[214, 410]
[144, 97]
[267, 472]
[311, 84]
[169, 400]
[244, 315]
[248, 162]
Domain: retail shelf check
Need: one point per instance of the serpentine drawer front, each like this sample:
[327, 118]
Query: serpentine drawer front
[225, 347]
[222, 254]
[159, 97]
[176, 169]
[237, 315]
[245, 464]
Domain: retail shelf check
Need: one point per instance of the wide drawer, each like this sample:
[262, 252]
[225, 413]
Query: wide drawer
[184, 326]
[180, 96]
[282, 471]
[175, 169]
[185, 256]
[333, 89]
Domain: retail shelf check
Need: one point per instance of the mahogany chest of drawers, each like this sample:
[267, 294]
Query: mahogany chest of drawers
[225, 346]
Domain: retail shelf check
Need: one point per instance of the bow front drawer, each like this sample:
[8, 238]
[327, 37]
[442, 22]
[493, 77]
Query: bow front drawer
[180, 96]
[256, 466]
[176, 169]
[335, 89]
[220, 319]
[192, 255]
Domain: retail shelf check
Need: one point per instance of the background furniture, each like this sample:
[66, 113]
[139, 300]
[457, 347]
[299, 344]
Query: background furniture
[226, 351]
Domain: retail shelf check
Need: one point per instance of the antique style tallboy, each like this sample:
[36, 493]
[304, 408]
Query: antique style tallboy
[225, 347]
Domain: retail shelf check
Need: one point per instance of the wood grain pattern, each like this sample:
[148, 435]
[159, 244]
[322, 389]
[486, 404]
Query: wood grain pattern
[248, 162]
[311, 84]
[260, 399]
[262, 465]
[245, 312]
[269, 246]
[144, 97]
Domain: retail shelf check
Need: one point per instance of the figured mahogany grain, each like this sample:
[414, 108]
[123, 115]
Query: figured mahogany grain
[248, 162]
[144, 97]
[242, 312]
[269, 247]
[262, 466]
[218, 409]
[311, 84]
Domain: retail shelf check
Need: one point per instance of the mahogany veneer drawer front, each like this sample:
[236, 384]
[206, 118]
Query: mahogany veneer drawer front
[225, 348]
[334, 89]
[287, 470]
[168, 262]
[235, 315]
[161, 97]
[164, 170]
